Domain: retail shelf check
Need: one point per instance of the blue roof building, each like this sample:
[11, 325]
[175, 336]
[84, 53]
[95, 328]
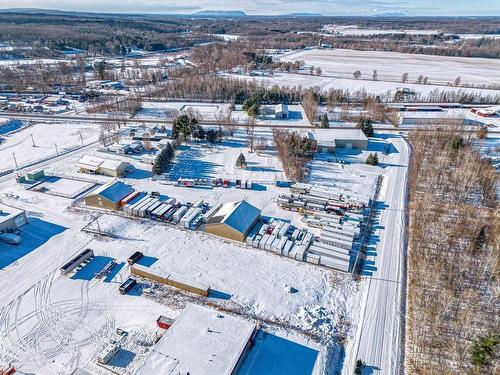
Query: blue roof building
[109, 196]
[234, 220]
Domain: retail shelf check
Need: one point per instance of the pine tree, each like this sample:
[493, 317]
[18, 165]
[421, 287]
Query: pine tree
[372, 159]
[241, 161]
[365, 124]
[324, 121]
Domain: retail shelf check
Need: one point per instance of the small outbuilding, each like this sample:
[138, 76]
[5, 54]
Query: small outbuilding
[329, 140]
[233, 220]
[281, 111]
[11, 218]
[108, 196]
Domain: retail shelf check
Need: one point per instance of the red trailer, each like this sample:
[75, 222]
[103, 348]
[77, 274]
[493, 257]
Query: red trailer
[163, 322]
[7, 370]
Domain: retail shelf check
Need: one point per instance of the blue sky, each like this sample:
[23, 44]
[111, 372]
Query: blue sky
[325, 7]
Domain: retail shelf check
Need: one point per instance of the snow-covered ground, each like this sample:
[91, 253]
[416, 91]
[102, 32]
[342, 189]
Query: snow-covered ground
[52, 324]
[390, 66]
[45, 136]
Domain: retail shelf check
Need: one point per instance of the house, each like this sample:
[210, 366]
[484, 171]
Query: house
[201, 341]
[106, 167]
[329, 140]
[233, 220]
[108, 196]
[11, 218]
[281, 111]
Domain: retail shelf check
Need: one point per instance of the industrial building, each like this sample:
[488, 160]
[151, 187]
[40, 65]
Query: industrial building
[109, 196]
[201, 341]
[233, 220]
[11, 218]
[106, 167]
[329, 140]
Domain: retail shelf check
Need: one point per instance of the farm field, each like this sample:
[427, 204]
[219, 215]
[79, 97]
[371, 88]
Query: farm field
[391, 65]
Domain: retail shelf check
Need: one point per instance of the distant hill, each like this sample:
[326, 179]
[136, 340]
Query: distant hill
[302, 15]
[220, 13]
[390, 14]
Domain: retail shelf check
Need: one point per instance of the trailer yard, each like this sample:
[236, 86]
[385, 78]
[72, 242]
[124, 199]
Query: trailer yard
[147, 254]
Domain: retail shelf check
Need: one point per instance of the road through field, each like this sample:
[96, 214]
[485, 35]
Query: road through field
[380, 344]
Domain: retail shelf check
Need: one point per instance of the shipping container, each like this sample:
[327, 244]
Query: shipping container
[334, 263]
[135, 257]
[107, 353]
[256, 241]
[127, 285]
[312, 258]
[129, 198]
[163, 322]
[263, 241]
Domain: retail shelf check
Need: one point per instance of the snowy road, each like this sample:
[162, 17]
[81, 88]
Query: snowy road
[379, 343]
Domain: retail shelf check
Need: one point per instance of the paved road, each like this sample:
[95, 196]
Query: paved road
[40, 116]
[379, 344]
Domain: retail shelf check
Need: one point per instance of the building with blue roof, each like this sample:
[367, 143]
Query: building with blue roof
[109, 196]
[234, 220]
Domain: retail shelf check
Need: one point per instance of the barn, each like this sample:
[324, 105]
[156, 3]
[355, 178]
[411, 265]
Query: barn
[108, 196]
[233, 220]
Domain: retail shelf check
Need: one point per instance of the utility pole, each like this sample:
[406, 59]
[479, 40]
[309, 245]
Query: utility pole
[57, 151]
[81, 138]
[15, 161]
[32, 141]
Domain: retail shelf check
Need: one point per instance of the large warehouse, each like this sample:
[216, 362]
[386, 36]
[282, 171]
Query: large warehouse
[109, 196]
[201, 341]
[234, 220]
[329, 140]
[11, 218]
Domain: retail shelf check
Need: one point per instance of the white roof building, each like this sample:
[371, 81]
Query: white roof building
[328, 140]
[201, 341]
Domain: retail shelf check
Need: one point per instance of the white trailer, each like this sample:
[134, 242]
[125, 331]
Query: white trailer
[262, 243]
[198, 203]
[287, 248]
[135, 210]
[190, 217]
[284, 229]
[211, 212]
[312, 258]
[181, 211]
[256, 240]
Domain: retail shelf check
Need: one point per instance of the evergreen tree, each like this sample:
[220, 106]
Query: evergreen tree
[372, 159]
[219, 135]
[324, 121]
[366, 125]
[241, 161]
[211, 136]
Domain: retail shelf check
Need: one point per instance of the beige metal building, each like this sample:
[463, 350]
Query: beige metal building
[233, 220]
[108, 196]
[329, 140]
[105, 167]
[11, 218]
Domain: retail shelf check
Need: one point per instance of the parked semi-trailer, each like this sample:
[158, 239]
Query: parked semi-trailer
[76, 261]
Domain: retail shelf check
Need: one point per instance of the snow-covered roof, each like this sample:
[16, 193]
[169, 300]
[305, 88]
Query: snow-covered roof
[237, 215]
[201, 341]
[281, 108]
[114, 191]
[91, 161]
[111, 164]
[328, 136]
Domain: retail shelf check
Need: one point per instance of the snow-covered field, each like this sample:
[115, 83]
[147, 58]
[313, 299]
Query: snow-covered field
[392, 65]
[45, 136]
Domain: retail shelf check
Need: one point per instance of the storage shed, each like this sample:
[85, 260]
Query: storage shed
[109, 196]
[234, 220]
[281, 111]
